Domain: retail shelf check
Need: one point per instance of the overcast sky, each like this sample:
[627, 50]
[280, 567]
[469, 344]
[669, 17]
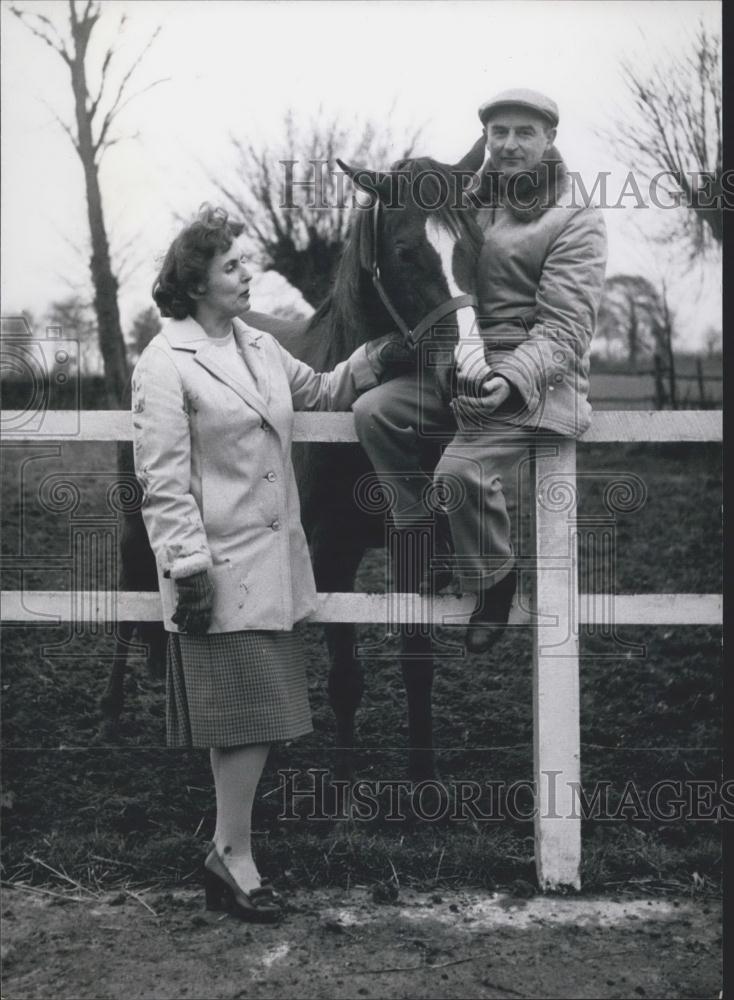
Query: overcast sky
[236, 67]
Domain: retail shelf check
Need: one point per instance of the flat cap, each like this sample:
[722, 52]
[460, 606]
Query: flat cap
[531, 100]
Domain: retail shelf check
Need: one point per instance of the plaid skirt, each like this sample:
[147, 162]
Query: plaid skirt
[233, 688]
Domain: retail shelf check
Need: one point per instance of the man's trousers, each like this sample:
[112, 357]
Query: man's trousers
[403, 426]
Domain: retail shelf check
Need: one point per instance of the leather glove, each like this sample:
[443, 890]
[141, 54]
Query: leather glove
[193, 613]
[390, 356]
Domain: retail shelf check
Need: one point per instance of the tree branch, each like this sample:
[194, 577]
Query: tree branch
[67, 128]
[57, 46]
[115, 107]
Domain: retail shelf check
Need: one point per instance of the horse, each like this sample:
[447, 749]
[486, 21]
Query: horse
[409, 262]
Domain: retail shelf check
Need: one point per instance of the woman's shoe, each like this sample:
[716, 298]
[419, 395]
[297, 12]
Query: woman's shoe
[258, 906]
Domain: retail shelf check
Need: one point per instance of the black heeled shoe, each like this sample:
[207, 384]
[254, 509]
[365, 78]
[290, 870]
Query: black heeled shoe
[493, 612]
[259, 906]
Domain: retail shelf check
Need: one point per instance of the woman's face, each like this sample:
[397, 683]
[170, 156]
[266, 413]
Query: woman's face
[227, 290]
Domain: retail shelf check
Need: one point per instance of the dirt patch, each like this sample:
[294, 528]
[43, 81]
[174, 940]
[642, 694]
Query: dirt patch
[338, 944]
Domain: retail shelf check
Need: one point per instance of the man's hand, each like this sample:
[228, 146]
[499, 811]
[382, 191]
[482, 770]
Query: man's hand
[494, 392]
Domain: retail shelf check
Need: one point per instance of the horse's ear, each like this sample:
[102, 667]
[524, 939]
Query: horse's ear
[371, 182]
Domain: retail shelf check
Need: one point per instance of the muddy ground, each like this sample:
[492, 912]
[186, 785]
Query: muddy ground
[100, 811]
[335, 943]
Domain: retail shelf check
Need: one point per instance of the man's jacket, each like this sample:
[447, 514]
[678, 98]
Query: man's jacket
[539, 283]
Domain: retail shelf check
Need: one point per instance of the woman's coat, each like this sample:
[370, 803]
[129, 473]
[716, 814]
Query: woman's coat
[212, 453]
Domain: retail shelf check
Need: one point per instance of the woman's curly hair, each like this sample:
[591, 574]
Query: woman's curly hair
[186, 264]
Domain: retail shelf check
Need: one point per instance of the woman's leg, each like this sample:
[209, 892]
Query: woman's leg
[237, 771]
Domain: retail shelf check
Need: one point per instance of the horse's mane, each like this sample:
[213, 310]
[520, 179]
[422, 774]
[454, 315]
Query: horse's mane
[440, 185]
[345, 319]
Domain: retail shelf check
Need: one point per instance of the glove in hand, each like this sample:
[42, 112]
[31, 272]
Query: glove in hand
[193, 613]
[390, 356]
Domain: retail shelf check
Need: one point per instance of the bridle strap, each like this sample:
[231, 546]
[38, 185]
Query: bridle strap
[377, 282]
[439, 313]
[412, 336]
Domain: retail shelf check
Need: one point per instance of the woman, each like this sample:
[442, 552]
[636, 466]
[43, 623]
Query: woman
[213, 405]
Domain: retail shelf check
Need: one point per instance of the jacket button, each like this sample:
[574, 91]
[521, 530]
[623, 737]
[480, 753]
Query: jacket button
[265, 425]
[275, 525]
[271, 477]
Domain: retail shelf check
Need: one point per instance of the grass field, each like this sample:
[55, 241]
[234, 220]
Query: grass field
[127, 810]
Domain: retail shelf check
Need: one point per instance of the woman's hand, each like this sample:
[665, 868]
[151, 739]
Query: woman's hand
[193, 613]
[390, 356]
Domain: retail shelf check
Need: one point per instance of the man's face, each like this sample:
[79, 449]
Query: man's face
[517, 140]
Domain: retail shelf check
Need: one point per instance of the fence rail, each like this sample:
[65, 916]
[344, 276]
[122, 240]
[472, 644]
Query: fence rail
[116, 425]
[50, 607]
[555, 611]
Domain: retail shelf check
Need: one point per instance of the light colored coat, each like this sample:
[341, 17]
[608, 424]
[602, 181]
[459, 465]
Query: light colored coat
[540, 282]
[212, 453]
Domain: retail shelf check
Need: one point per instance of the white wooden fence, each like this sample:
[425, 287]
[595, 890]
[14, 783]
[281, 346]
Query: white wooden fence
[556, 618]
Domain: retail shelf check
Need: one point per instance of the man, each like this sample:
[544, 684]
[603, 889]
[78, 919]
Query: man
[539, 284]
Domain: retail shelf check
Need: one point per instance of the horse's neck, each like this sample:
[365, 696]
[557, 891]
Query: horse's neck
[330, 337]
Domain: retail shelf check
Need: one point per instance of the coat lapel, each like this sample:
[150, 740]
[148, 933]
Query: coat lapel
[250, 343]
[188, 335]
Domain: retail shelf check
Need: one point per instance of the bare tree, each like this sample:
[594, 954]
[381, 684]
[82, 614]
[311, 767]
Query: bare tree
[637, 315]
[95, 114]
[674, 134]
[630, 313]
[293, 199]
[713, 340]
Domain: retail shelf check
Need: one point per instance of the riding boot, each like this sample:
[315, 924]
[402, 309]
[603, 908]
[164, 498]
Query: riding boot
[440, 570]
[421, 556]
[493, 611]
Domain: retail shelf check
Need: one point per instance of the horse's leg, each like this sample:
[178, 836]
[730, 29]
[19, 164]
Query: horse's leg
[137, 572]
[112, 701]
[417, 666]
[154, 638]
[335, 562]
[411, 549]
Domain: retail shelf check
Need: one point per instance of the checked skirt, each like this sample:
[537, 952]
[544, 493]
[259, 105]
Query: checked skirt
[234, 688]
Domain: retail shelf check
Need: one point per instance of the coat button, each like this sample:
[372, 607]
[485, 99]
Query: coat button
[271, 477]
[275, 525]
[265, 425]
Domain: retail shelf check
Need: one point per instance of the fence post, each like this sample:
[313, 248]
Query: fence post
[660, 395]
[701, 384]
[556, 669]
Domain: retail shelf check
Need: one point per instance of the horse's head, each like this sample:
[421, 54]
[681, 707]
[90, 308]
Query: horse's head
[420, 242]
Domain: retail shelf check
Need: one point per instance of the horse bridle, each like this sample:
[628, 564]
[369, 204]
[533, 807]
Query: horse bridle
[414, 335]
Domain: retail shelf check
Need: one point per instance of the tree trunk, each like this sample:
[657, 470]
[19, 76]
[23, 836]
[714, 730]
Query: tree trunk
[659, 383]
[111, 341]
